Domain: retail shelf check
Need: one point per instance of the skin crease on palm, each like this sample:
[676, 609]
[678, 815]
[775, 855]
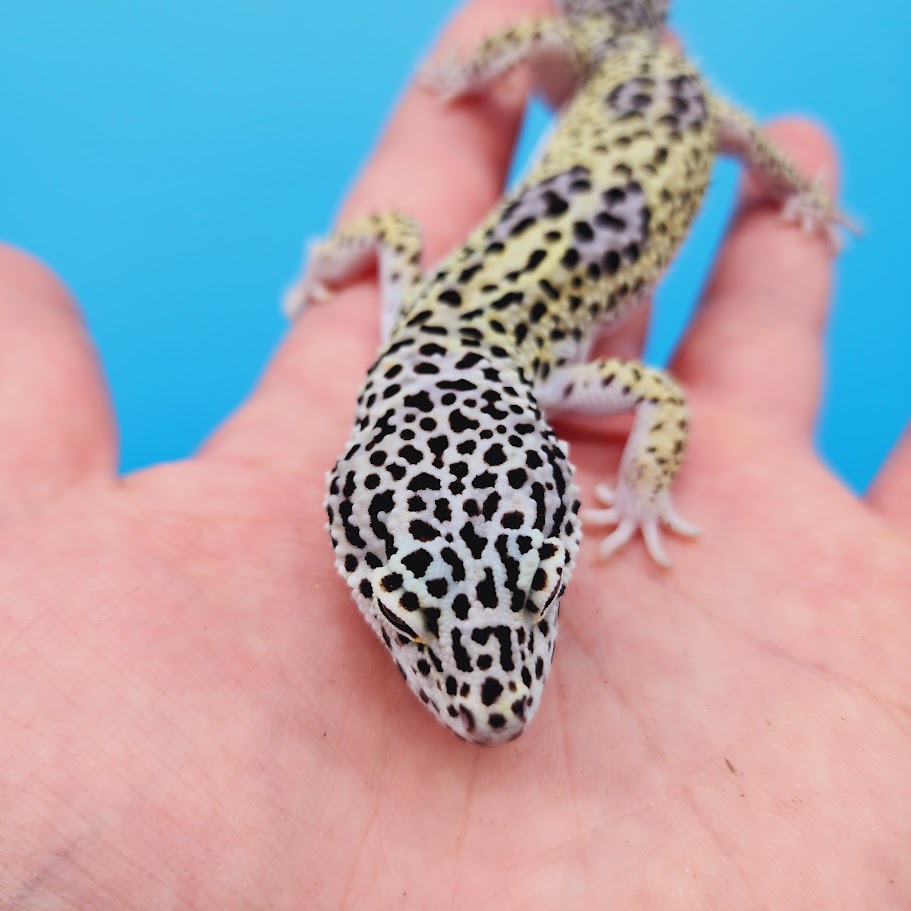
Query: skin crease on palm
[193, 713]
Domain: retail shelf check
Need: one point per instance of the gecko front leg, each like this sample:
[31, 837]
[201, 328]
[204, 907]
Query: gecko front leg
[391, 239]
[653, 452]
[804, 201]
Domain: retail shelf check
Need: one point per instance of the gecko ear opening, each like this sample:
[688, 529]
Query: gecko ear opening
[547, 584]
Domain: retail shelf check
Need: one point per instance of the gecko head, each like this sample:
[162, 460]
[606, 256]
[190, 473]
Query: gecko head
[454, 519]
[631, 14]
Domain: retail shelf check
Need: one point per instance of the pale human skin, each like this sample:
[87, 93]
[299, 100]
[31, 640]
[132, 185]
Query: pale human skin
[193, 713]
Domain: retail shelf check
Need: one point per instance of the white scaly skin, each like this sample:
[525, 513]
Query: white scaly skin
[453, 512]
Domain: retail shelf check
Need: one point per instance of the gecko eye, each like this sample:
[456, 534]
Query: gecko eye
[548, 578]
[397, 622]
[401, 608]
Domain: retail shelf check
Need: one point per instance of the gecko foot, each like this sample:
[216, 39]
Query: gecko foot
[629, 513]
[309, 286]
[813, 210]
[450, 79]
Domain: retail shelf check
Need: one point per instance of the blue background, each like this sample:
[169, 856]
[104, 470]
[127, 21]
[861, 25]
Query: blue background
[168, 158]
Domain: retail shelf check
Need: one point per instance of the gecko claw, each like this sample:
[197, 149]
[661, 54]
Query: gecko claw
[448, 80]
[813, 211]
[629, 514]
[309, 287]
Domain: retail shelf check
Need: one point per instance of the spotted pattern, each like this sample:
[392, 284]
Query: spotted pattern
[630, 14]
[608, 227]
[453, 511]
[453, 516]
[582, 238]
[678, 102]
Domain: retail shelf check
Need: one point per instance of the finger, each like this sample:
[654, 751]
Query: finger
[444, 165]
[890, 492]
[756, 342]
[56, 425]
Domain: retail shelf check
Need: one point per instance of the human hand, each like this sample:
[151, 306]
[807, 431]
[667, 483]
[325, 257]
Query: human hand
[193, 713]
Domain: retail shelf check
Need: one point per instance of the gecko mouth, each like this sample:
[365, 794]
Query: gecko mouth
[499, 724]
[489, 737]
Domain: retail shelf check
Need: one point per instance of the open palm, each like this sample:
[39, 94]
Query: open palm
[194, 715]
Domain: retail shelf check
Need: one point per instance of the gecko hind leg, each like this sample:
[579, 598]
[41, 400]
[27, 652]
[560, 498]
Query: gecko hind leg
[804, 201]
[651, 458]
[390, 239]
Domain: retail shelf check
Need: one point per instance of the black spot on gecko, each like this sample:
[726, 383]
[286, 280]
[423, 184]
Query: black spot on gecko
[461, 606]
[495, 455]
[475, 542]
[460, 653]
[423, 532]
[458, 568]
[418, 562]
[468, 361]
[491, 690]
[460, 423]
[517, 478]
[419, 400]
[432, 621]
[487, 591]
[450, 297]
[438, 587]
[424, 481]
[491, 505]
[507, 300]
[583, 232]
